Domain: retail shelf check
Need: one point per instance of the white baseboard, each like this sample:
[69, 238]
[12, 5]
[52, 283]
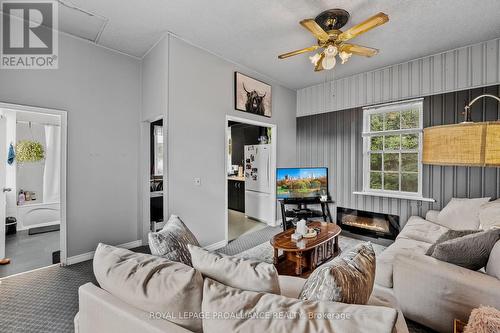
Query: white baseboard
[277, 222]
[20, 228]
[216, 246]
[89, 255]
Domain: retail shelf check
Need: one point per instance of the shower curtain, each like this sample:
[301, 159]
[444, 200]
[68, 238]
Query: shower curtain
[52, 170]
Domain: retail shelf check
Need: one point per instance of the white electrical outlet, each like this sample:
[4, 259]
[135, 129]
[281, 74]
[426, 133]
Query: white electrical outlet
[197, 181]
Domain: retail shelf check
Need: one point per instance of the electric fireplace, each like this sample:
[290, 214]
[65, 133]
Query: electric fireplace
[365, 223]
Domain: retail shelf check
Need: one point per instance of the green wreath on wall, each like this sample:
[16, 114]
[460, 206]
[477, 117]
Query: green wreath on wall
[29, 151]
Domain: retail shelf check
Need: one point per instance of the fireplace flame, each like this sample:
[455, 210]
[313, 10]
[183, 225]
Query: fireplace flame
[375, 224]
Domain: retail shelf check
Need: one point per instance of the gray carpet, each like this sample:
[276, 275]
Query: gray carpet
[46, 300]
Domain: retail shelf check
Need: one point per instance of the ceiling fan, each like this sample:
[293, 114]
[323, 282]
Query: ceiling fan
[326, 28]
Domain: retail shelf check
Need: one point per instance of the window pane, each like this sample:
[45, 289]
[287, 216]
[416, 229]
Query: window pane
[376, 180]
[409, 119]
[392, 142]
[377, 143]
[409, 141]
[376, 162]
[391, 181]
[391, 162]
[409, 162]
[392, 121]
[376, 122]
[409, 182]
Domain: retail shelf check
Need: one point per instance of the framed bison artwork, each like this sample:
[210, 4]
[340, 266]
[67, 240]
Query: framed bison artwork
[251, 95]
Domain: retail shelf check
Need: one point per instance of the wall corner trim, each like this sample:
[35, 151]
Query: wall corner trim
[89, 255]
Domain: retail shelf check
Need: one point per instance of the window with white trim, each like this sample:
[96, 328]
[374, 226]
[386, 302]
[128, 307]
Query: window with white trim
[392, 148]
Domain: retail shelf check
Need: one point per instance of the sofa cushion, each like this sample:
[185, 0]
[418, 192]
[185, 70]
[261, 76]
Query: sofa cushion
[493, 265]
[172, 241]
[248, 311]
[462, 214]
[422, 230]
[246, 274]
[383, 270]
[347, 279]
[150, 283]
[489, 215]
[449, 235]
[471, 251]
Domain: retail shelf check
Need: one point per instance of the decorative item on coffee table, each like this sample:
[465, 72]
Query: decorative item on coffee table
[301, 257]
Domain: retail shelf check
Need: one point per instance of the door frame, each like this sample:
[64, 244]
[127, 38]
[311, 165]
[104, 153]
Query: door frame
[274, 145]
[144, 176]
[63, 245]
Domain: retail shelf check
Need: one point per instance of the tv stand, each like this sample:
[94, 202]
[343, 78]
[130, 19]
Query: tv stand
[303, 212]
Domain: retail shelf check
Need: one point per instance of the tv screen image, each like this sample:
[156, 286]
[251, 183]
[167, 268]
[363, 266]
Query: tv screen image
[301, 182]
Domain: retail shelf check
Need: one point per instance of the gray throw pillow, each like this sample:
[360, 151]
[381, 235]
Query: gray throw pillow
[347, 279]
[471, 251]
[171, 242]
[449, 235]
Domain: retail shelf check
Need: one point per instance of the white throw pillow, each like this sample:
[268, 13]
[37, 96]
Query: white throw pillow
[462, 214]
[489, 215]
[242, 311]
[152, 284]
[493, 265]
[245, 274]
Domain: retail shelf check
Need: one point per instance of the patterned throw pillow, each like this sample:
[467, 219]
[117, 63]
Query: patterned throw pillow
[471, 251]
[347, 279]
[449, 235]
[171, 242]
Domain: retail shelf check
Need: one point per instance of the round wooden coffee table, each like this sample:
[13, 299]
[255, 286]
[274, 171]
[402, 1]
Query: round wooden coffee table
[302, 257]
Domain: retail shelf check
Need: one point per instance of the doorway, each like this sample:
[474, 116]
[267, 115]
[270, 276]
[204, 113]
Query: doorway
[32, 188]
[153, 176]
[250, 176]
[156, 175]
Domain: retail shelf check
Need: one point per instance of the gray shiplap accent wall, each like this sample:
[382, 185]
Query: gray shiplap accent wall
[467, 67]
[334, 139]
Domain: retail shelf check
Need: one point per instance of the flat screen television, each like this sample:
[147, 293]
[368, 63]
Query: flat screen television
[301, 183]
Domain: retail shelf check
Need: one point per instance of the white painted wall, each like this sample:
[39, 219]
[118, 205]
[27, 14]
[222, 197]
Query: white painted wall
[464, 68]
[194, 91]
[200, 95]
[154, 81]
[100, 90]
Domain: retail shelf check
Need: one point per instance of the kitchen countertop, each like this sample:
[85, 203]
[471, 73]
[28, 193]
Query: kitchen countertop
[240, 179]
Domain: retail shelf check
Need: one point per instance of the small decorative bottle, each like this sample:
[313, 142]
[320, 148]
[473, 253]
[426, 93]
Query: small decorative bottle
[21, 198]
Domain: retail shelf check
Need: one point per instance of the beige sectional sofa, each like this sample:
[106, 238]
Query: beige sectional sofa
[429, 291]
[100, 311]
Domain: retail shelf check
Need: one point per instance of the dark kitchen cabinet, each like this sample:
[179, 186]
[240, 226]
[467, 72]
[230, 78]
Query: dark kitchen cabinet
[236, 195]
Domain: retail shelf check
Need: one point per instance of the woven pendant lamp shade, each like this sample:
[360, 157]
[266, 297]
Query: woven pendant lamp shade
[466, 144]
[492, 149]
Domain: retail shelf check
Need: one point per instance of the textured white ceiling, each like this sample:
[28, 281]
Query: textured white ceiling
[254, 32]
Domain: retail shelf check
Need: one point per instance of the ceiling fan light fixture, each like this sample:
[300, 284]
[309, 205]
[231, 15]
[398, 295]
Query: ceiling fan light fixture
[315, 58]
[344, 56]
[326, 30]
[329, 60]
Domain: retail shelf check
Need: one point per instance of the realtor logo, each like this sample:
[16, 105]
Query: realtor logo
[29, 35]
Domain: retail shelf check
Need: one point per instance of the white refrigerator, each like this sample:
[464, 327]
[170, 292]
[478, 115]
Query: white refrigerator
[258, 186]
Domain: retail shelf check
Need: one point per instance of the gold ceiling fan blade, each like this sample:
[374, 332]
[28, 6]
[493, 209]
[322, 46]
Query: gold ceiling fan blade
[304, 50]
[315, 29]
[359, 50]
[372, 22]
